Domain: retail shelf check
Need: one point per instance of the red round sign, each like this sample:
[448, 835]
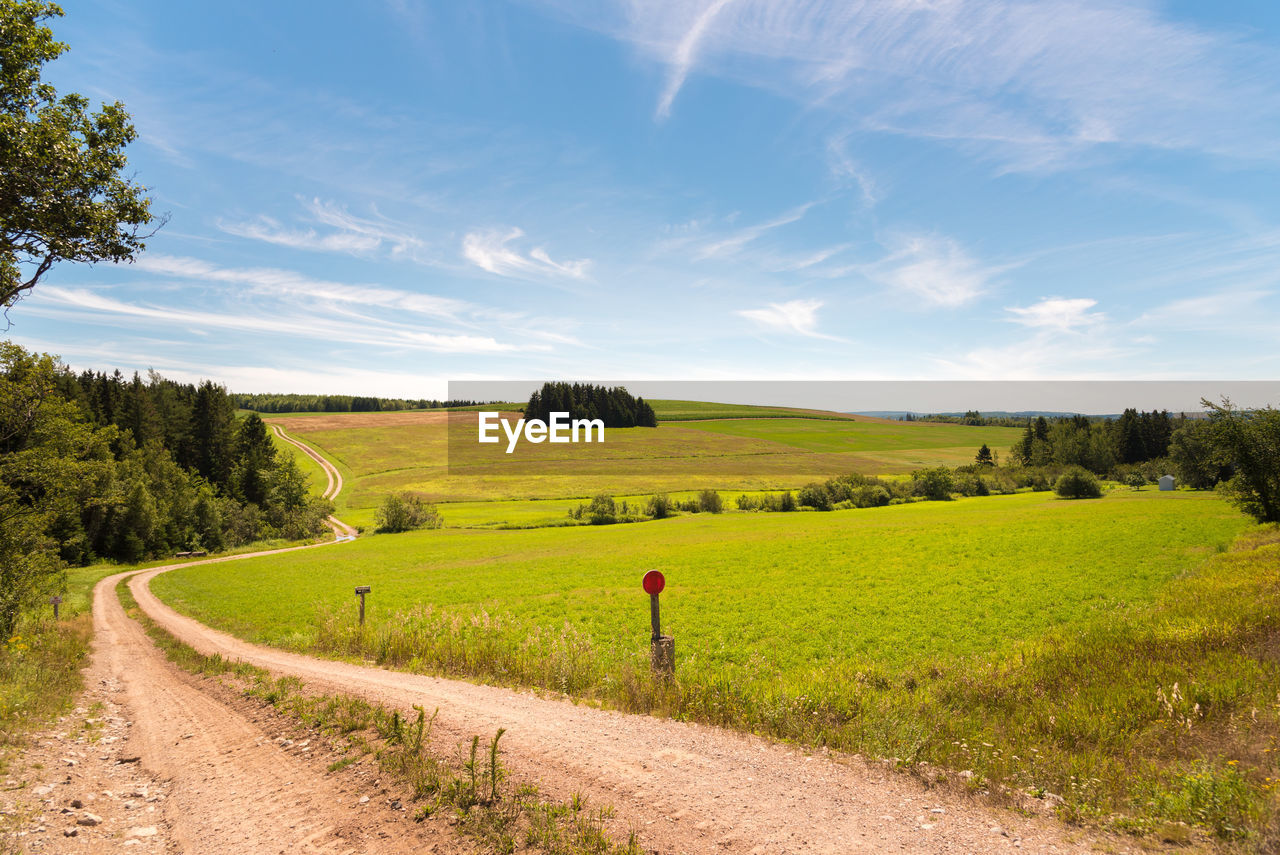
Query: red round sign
[654, 582]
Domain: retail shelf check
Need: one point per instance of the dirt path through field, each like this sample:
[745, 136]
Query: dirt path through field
[683, 787]
[191, 767]
[341, 530]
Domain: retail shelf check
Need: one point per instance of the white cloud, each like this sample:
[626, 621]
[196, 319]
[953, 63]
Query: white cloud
[794, 316]
[934, 269]
[355, 235]
[490, 250]
[270, 231]
[728, 246]
[684, 52]
[271, 280]
[1036, 84]
[1240, 310]
[86, 304]
[1057, 313]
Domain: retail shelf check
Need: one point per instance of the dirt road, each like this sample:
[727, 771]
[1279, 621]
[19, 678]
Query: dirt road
[341, 530]
[685, 788]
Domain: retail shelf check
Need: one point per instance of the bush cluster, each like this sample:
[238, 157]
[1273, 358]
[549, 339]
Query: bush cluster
[406, 512]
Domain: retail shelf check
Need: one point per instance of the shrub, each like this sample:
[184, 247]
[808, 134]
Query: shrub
[934, 484]
[659, 506]
[815, 496]
[1078, 483]
[787, 502]
[1135, 480]
[405, 512]
[602, 510]
[710, 502]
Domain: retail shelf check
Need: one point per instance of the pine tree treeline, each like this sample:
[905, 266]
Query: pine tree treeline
[1098, 445]
[159, 467]
[614, 406]
[274, 403]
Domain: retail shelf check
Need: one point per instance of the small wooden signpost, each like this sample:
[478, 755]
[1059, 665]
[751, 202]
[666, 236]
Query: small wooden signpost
[56, 601]
[662, 648]
[362, 590]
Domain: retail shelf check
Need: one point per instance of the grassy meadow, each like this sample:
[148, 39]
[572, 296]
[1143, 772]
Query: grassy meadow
[1113, 652]
[379, 453]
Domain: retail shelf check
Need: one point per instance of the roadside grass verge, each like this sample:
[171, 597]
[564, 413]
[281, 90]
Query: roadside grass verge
[470, 786]
[40, 663]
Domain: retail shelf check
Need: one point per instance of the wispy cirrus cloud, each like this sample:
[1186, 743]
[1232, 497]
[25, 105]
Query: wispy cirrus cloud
[361, 330]
[273, 280]
[1057, 313]
[797, 317]
[729, 245]
[492, 251]
[350, 233]
[1035, 84]
[933, 269]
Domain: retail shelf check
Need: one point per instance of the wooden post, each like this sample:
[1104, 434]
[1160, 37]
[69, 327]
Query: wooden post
[56, 601]
[662, 648]
[362, 590]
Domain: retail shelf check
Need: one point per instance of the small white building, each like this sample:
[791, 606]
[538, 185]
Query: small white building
[1166, 482]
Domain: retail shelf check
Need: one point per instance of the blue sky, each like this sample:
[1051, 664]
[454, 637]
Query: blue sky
[377, 198]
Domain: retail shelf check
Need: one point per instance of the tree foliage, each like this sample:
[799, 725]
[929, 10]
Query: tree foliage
[406, 512]
[1078, 483]
[63, 195]
[1250, 441]
[614, 406]
[102, 467]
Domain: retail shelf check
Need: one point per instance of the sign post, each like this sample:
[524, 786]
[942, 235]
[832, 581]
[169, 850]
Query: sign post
[56, 601]
[362, 590]
[662, 648]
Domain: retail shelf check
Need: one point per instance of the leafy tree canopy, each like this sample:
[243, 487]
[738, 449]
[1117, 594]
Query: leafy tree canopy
[62, 192]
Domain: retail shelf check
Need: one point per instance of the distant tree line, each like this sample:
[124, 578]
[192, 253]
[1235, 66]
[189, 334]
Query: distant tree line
[614, 406]
[971, 417]
[96, 466]
[270, 403]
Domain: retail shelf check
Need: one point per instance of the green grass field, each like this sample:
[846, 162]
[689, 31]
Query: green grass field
[1033, 640]
[387, 452]
[798, 591]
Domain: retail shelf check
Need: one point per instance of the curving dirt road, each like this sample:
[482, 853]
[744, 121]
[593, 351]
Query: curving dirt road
[684, 787]
[341, 531]
[231, 787]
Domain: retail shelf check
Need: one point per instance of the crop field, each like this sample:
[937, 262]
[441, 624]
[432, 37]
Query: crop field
[380, 453]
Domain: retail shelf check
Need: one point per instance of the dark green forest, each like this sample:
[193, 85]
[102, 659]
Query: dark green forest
[96, 466]
[615, 406]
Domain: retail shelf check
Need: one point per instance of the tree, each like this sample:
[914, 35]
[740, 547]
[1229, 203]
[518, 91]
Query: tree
[1194, 456]
[62, 194]
[52, 465]
[1078, 483]
[405, 512]
[983, 457]
[1250, 440]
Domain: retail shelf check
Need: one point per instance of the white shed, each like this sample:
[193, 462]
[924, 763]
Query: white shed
[1166, 482]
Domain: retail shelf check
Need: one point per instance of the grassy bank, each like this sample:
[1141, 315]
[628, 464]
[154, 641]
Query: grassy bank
[40, 663]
